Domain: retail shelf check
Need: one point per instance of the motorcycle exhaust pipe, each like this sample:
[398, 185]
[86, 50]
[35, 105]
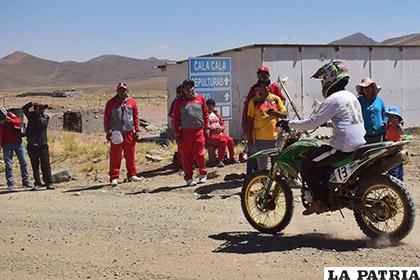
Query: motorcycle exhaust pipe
[390, 162]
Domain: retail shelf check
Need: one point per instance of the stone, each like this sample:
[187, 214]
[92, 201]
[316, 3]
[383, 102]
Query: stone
[61, 175]
[154, 158]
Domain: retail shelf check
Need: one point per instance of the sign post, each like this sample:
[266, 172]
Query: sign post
[213, 79]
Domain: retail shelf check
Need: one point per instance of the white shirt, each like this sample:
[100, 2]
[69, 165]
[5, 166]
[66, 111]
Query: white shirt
[345, 113]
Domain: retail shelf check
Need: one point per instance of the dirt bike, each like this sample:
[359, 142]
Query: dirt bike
[381, 204]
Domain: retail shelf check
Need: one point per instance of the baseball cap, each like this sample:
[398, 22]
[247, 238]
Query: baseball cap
[188, 82]
[264, 69]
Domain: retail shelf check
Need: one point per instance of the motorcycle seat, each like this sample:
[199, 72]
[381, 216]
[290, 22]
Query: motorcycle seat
[364, 148]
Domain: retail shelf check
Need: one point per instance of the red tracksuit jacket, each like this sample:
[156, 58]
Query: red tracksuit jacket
[190, 114]
[122, 116]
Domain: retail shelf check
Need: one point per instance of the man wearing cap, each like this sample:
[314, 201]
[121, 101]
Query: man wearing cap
[11, 141]
[190, 121]
[373, 110]
[263, 74]
[264, 110]
[121, 125]
[36, 134]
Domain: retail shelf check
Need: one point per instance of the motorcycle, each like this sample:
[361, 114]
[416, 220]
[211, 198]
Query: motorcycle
[381, 204]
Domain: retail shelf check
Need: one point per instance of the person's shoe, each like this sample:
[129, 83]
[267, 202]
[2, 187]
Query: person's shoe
[203, 179]
[233, 161]
[317, 206]
[50, 187]
[135, 179]
[10, 188]
[220, 164]
[114, 182]
[28, 185]
[191, 182]
[36, 188]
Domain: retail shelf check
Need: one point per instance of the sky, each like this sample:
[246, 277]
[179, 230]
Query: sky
[80, 30]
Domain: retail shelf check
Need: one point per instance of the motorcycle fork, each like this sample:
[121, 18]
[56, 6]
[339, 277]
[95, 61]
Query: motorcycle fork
[270, 178]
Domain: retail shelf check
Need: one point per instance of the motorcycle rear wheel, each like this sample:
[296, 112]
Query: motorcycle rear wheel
[276, 214]
[397, 213]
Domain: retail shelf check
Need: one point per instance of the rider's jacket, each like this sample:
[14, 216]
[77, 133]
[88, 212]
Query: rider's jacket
[345, 113]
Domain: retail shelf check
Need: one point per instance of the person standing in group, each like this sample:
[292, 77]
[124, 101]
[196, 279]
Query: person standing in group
[36, 134]
[11, 141]
[190, 121]
[394, 132]
[121, 125]
[264, 110]
[373, 110]
[179, 94]
[217, 136]
[263, 74]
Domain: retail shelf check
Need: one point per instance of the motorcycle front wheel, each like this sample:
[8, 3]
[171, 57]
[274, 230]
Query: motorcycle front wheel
[274, 214]
[393, 208]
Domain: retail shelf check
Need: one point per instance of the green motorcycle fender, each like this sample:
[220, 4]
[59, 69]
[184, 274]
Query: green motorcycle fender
[265, 152]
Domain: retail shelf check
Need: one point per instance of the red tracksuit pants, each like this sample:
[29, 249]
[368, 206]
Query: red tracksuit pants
[115, 153]
[222, 141]
[192, 149]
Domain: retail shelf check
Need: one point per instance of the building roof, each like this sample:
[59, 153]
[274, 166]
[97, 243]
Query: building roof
[290, 45]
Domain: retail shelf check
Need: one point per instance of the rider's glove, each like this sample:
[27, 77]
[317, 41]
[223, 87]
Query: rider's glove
[284, 124]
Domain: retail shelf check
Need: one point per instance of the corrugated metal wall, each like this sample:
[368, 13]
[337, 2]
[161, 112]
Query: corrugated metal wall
[396, 69]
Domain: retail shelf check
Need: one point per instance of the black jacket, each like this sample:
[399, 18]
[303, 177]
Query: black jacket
[36, 131]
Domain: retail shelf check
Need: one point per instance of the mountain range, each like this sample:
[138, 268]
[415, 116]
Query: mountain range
[20, 70]
[23, 70]
[362, 39]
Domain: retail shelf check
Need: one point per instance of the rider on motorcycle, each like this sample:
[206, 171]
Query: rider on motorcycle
[343, 109]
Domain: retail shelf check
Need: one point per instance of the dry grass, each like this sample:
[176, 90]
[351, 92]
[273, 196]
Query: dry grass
[88, 155]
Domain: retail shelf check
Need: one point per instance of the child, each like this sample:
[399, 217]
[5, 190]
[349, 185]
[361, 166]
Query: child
[216, 137]
[394, 132]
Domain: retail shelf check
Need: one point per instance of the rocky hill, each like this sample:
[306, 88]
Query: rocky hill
[354, 39]
[362, 39]
[20, 69]
[412, 39]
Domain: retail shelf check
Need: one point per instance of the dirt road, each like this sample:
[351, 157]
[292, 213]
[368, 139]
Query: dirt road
[88, 231]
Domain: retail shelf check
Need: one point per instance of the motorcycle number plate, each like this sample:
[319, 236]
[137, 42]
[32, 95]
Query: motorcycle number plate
[341, 174]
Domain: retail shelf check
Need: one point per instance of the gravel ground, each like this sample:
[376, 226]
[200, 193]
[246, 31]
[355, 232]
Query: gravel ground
[160, 229]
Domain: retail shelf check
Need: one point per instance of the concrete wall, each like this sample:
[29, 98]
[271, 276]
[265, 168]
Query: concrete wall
[396, 69]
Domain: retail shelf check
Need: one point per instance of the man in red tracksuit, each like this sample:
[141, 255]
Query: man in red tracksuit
[179, 94]
[190, 121]
[217, 136]
[121, 124]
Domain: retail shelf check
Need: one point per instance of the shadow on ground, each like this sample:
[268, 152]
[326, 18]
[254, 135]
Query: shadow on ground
[89, 188]
[254, 242]
[231, 182]
[161, 171]
[159, 190]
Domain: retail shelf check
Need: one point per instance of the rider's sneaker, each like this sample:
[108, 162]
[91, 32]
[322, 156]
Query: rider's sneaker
[220, 164]
[317, 206]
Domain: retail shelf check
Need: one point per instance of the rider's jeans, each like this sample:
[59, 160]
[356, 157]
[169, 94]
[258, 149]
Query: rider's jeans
[316, 174]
